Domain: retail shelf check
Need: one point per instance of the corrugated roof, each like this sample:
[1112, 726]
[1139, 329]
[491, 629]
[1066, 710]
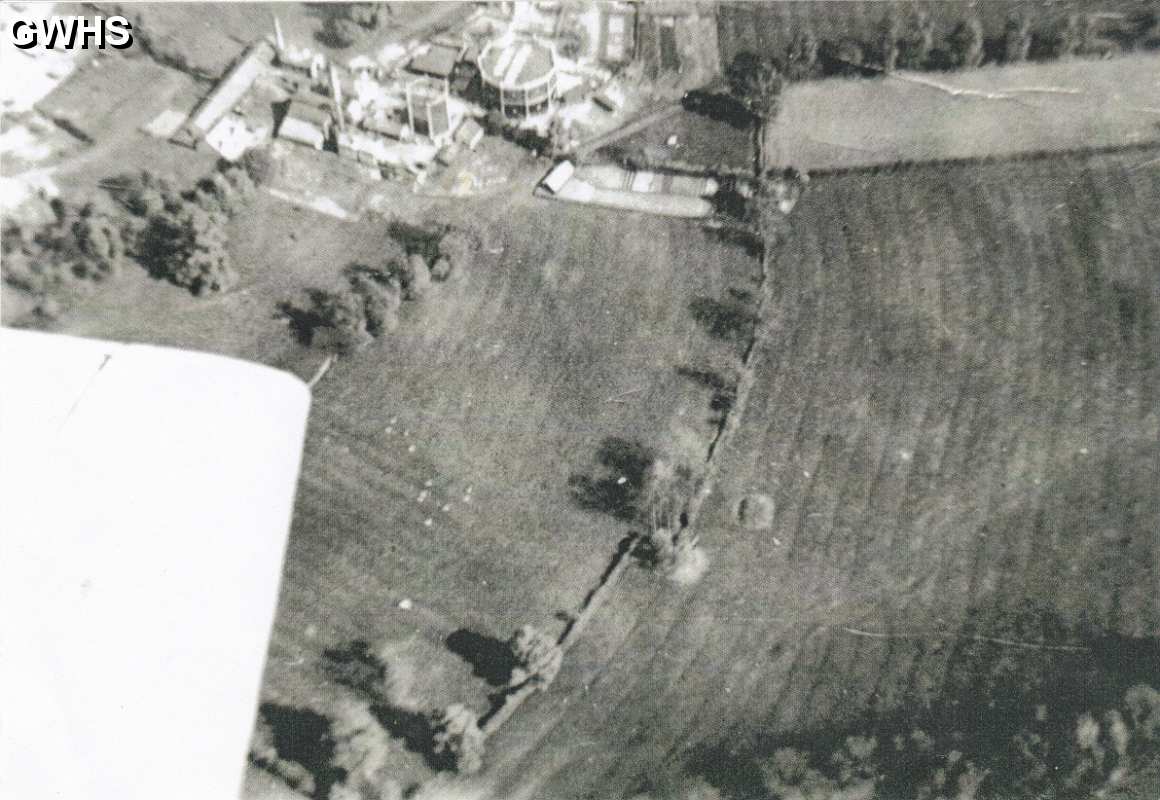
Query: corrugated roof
[308, 112]
[439, 61]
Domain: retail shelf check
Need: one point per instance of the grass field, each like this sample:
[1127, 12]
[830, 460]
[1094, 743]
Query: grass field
[492, 403]
[958, 413]
[994, 111]
[956, 408]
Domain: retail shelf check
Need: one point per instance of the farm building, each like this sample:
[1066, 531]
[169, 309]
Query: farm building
[519, 76]
[306, 123]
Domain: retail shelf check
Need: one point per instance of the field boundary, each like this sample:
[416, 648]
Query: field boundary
[904, 165]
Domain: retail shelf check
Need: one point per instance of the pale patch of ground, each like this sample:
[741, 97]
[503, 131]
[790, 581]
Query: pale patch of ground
[29, 75]
[1065, 105]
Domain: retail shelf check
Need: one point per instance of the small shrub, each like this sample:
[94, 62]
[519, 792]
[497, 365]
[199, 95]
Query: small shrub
[260, 165]
[1017, 39]
[538, 657]
[457, 737]
[418, 278]
[361, 745]
[339, 321]
[441, 270]
[381, 301]
[458, 248]
[189, 250]
[689, 563]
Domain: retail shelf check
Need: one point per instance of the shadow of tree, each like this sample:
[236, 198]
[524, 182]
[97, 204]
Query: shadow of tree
[617, 491]
[304, 736]
[414, 729]
[355, 666]
[490, 658]
[303, 320]
[728, 320]
[724, 390]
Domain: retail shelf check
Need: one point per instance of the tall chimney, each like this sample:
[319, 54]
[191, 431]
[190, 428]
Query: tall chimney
[336, 93]
[279, 42]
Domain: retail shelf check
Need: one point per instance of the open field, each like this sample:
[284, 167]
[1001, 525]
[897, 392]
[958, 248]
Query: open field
[492, 403]
[956, 414]
[994, 111]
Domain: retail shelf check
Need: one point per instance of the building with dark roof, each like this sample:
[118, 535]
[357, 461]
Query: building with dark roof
[438, 62]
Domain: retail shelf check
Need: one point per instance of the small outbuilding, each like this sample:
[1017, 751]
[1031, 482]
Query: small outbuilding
[470, 134]
[306, 123]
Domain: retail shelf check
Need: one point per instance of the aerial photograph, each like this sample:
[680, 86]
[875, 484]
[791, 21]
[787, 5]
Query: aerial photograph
[697, 400]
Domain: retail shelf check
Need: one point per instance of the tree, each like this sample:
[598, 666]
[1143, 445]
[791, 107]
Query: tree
[361, 745]
[1017, 39]
[787, 773]
[801, 58]
[538, 657]
[456, 736]
[967, 43]
[417, 278]
[457, 247]
[381, 301]
[341, 31]
[146, 194]
[1142, 704]
[366, 15]
[756, 83]
[918, 41]
[1074, 36]
[889, 34]
[82, 245]
[90, 239]
[855, 760]
[260, 165]
[339, 320]
[190, 251]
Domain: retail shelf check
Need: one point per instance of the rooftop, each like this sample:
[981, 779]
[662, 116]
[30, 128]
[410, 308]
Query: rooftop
[517, 64]
[439, 61]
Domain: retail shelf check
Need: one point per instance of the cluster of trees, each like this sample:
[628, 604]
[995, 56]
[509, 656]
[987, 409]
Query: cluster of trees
[367, 306]
[1013, 718]
[349, 23]
[182, 236]
[537, 658]
[1067, 757]
[83, 245]
[910, 41]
